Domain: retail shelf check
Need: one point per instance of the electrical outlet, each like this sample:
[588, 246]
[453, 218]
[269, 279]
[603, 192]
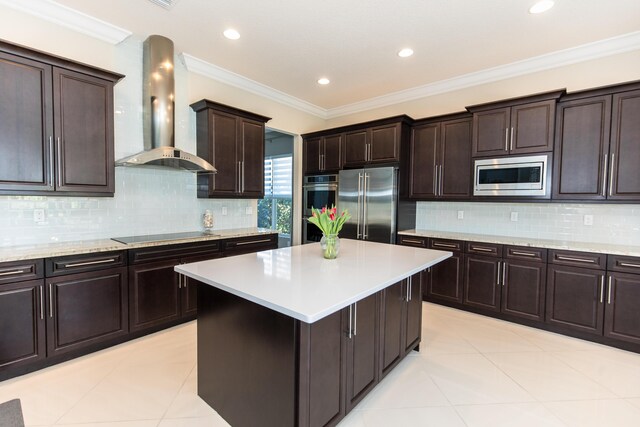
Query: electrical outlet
[514, 216]
[224, 210]
[588, 220]
[248, 210]
[460, 214]
[38, 215]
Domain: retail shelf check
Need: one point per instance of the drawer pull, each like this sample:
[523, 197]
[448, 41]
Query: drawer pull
[7, 273]
[628, 264]
[481, 249]
[524, 253]
[417, 242]
[253, 241]
[446, 245]
[568, 258]
[82, 264]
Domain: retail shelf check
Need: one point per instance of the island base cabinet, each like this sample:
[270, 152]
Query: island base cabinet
[260, 367]
[621, 321]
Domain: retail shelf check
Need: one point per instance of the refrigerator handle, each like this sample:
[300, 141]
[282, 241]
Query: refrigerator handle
[364, 209]
[358, 213]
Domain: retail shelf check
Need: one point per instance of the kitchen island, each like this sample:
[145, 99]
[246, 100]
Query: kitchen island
[287, 338]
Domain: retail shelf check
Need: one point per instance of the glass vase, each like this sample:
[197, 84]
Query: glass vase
[330, 244]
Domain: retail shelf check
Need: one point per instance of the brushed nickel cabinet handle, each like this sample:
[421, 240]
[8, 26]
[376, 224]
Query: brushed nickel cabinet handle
[349, 334]
[51, 300]
[59, 158]
[609, 291]
[440, 181]
[524, 253]
[82, 264]
[498, 281]
[568, 258]
[250, 242]
[602, 289]
[481, 249]
[418, 242]
[8, 273]
[435, 179]
[445, 245]
[242, 170]
[504, 273]
[628, 264]
[511, 141]
[611, 169]
[355, 319]
[41, 292]
[51, 162]
[506, 139]
[604, 176]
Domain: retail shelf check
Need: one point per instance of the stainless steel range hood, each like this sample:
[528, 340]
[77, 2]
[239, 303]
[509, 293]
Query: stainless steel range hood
[158, 106]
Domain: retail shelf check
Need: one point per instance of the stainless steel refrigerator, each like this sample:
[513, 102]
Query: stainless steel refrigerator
[372, 197]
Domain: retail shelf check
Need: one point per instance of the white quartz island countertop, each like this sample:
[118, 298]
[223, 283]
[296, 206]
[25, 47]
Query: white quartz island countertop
[300, 283]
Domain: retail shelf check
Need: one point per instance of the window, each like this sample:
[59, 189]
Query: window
[274, 211]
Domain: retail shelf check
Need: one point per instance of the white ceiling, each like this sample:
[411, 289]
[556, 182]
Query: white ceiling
[288, 44]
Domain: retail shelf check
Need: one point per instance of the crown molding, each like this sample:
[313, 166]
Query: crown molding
[225, 76]
[70, 18]
[586, 52]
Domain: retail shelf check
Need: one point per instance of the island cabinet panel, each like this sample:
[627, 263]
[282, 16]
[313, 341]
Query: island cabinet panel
[391, 326]
[22, 318]
[56, 125]
[86, 309]
[413, 318]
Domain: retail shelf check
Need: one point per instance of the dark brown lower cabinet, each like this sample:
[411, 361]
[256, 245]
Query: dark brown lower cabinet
[523, 289]
[85, 309]
[22, 323]
[575, 298]
[482, 282]
[446, 280]
[413, 317]
[622, 310]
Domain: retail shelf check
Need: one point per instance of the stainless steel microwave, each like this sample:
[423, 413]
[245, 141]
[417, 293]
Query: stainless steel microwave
[511, 176]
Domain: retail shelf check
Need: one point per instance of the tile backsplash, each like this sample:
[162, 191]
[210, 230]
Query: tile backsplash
[148, 201]
[615, 224]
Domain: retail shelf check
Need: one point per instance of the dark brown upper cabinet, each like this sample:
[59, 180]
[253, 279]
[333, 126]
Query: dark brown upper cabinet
[440, 158]
[323, 154]
[56, 125]
[515, 126]
[232, 140]
[378, 144]
[598, 145]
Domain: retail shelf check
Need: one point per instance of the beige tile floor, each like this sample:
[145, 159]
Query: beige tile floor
[471, 371]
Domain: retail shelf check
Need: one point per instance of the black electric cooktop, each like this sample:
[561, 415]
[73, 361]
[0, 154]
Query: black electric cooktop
[161, 237]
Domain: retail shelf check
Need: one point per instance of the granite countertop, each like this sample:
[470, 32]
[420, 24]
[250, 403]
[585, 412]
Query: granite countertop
[298, 282]
[603, 248]
[47, 250]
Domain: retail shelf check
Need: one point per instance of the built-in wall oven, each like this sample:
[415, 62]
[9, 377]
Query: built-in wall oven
[512, 176]
[317, 191]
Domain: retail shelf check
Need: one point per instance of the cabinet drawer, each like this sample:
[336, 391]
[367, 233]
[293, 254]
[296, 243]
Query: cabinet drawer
[419, 242]
[18, 271]
[252, 243]
[578, 259]
[625, 264]
[58, 266]
[487, 249]
[165, 252]
[446, 245]
[525, 253]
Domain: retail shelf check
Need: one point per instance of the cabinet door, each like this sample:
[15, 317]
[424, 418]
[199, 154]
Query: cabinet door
[312, 155]
[446, 279]
[362, 349]
[455, 160]
[391, 322]
[26, 125]
[532, 127]
[622, 318]
[625, 147]
[385, 144]
[575, 299]
[523, 289]
[86, 308]
[356, 148]
[481, 282]
[23, 326]
[153, 295]
[83, 123]
[332, 160]
[582, 146]
[252, 166]
[491, 132]
[221, 153]
[424, 146]
[413, 316]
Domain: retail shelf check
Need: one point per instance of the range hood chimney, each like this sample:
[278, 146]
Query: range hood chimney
[159, 113]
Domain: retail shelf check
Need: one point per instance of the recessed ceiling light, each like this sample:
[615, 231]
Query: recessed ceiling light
[324, 81]
[231, 34]
[405, 53]
[541, 6]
